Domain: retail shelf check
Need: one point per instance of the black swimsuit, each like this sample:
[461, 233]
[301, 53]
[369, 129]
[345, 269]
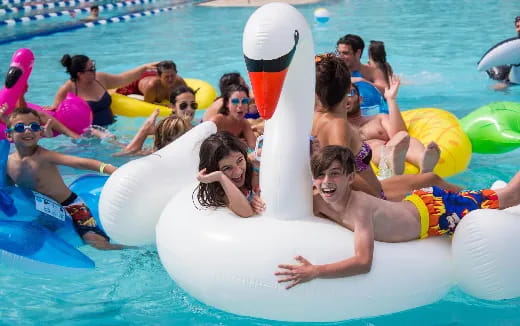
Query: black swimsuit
[103, 115]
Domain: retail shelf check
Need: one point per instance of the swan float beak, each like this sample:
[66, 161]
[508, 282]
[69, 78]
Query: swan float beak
[267, 77]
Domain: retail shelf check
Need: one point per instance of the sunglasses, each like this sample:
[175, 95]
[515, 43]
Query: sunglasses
[237, 101]
[92, 68]
[352, 92]
[20, 127]
[184, 105]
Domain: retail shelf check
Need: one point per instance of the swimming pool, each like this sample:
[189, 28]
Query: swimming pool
[435, 47]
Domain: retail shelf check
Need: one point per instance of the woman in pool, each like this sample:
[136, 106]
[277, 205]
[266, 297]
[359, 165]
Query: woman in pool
[92, 86]
[183, 103]
[377, 60]
[231, 115]
[226, 176]
[331, 127]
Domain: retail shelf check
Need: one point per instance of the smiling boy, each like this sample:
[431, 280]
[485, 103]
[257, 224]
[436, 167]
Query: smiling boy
[426, 212]
[34, 167]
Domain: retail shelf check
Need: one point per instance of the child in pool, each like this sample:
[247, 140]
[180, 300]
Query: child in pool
[426, 212]
[231, 116]
[226, 176]
[34, 167]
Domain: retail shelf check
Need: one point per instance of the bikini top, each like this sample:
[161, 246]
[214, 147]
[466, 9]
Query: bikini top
[103, 115]
[363, 157]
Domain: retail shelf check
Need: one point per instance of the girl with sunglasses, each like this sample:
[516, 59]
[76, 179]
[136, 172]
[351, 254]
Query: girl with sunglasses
[92, 86]
[183, 102]
[231, 115]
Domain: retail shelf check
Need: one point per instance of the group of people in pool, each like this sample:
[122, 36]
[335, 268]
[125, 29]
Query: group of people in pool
[346, 190]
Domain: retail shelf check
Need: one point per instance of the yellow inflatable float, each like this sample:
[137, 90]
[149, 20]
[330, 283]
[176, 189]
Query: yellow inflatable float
[442, 127]
[132, 107]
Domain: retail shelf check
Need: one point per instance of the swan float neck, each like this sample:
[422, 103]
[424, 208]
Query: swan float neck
[277, 60]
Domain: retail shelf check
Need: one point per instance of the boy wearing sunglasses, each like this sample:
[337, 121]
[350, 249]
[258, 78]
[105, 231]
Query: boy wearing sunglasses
[34, 167]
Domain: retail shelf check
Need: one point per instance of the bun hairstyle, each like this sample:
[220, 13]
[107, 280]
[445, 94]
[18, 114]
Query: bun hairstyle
[75, 64]
[332, 79]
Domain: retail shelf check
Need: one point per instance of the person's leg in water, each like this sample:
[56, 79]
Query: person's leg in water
[398, 187]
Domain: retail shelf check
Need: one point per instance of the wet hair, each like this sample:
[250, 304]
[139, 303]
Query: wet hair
[355, 42]
[332, 79]
[377, 53]
[212, 150]
[94, 7]
[166, 65]
[227, 95]
[169, 129]
[75, 64]
[178, 91]
[322, 160]
[228, 79]
[22, 111]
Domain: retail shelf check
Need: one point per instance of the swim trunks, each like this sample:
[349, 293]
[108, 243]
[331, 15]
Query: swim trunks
[81, 216]
[363, 157]
[441, 210]
[133, 87]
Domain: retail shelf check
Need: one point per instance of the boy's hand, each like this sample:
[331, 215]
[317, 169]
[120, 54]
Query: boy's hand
[391, 92]
[3, 116]
[47, 129]
[210, 177]
[297, 274]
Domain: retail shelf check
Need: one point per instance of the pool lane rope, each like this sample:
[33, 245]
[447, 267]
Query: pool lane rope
[26, 19]
[47, 5]
[78, 25]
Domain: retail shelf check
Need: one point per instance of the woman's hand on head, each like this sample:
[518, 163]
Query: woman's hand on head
[215, 176]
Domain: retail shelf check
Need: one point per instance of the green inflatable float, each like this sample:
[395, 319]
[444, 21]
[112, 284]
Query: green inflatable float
[494, 128]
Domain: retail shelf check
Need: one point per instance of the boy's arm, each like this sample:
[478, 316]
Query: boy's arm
[360, 263]
[395, 121]
[237, 202]
[80, 162]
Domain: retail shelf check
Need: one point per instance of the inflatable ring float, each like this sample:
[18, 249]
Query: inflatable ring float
[442, 127]
[494, 128]
[132, 107]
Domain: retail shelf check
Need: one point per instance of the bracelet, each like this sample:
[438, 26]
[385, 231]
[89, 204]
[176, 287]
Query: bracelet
[102, 167]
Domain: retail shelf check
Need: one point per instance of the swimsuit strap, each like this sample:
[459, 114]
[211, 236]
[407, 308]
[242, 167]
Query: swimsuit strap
[97, 81]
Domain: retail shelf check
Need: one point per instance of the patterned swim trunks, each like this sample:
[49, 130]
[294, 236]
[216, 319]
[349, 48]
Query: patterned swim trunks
[441, 210]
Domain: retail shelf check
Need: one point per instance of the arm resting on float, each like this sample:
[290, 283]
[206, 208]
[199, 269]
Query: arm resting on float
[237, 202]
[80, 162]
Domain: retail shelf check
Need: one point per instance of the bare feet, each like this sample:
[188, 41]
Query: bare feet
[396, 150]
[432, 153]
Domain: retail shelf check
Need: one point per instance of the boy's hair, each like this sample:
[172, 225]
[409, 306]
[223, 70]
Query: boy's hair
[332, 79]
[227, 95]
[212, 150]
[355, 42]
[322, 160]
[94, 7]
[21, 111]
[169, 129]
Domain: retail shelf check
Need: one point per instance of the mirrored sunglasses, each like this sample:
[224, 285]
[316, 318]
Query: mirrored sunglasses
[237, 101]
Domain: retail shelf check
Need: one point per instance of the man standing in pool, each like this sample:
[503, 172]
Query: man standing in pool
[155, 85]
[350, 49]
[426, 212]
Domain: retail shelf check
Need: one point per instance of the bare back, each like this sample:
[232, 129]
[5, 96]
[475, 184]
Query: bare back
[392, 221]
[38, 172]
[334, 129]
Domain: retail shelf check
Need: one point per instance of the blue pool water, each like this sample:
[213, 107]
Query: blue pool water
[433, 45]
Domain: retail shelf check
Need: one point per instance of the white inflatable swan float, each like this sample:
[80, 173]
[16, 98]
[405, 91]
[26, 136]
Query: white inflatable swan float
[229, 262]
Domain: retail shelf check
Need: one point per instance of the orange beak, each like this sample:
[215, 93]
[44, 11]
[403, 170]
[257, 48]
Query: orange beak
[267, 77]
[267, 87]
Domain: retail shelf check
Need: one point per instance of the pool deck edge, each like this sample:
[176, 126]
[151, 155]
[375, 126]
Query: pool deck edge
[252, 3]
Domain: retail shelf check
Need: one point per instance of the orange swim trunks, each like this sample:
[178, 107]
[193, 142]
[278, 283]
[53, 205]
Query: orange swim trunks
[441, 210]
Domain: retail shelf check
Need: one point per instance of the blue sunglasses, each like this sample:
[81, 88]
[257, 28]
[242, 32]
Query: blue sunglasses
[236, 100]
[20, 127]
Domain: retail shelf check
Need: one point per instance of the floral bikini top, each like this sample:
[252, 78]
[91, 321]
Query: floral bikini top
[363, 157]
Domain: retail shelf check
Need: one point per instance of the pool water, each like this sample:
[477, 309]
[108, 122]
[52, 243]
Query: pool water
[433, 45]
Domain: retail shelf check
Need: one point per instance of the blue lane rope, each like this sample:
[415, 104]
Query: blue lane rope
[78, 25]
[47, 5]
[26, 19]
